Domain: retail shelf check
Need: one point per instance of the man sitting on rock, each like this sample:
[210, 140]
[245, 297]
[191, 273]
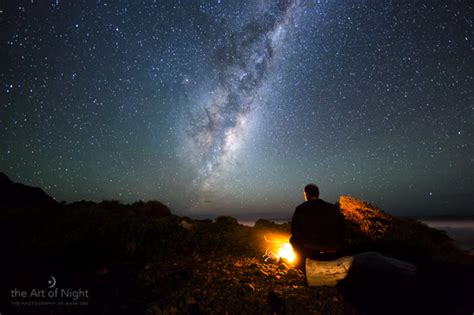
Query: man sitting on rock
[316, 228]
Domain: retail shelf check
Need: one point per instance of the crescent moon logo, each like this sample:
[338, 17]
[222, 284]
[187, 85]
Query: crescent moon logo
[51, 282]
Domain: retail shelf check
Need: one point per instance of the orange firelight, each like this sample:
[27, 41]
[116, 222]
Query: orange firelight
[280, 249]
[286, 251]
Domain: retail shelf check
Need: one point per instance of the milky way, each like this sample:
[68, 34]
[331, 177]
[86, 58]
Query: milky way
[244, 61]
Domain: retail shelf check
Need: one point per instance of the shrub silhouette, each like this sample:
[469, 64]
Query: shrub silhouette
[151, 209]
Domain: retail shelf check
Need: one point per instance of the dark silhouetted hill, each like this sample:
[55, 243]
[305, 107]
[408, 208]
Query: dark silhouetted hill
[15, 195]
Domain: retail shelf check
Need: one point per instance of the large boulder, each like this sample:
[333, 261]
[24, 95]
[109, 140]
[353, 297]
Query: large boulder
[368, 228]
[365, 265]
[374, 283]
[15, 195]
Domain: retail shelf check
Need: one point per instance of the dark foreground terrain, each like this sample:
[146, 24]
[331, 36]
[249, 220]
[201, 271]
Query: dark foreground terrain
[109, 258]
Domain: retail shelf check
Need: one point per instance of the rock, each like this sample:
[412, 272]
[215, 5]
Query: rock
[187, 226]
[251, 286]
[375, 262]
[368, 228]
[375, 281]
[327, 273]
[154, 310]
[364, 265]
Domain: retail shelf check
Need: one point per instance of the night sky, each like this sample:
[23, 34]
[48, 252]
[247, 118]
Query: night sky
[231, 107]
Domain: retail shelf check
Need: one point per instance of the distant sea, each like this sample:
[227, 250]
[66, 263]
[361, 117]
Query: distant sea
[460, 229]
[250, 222]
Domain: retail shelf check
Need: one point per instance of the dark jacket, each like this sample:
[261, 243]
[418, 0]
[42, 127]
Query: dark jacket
[317, 225]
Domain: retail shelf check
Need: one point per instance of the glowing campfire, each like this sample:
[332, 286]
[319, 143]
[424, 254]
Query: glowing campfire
[279, 249]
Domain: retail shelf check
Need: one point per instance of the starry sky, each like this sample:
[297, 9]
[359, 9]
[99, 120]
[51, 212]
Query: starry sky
[231, 107]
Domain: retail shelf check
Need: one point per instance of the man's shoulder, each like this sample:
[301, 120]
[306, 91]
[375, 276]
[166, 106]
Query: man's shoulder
[318, 203]
[328, 206]
[302, 206]
[325, 203]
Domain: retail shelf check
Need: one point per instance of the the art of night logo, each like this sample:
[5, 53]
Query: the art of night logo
[51, 294]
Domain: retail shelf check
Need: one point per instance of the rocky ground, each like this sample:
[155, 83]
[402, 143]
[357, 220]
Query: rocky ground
[240, 286]
[150, 262]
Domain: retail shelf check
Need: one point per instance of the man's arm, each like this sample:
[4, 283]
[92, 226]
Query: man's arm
[341, 226]
[296, 230]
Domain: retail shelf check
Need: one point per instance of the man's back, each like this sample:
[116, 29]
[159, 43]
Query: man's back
[318, 225]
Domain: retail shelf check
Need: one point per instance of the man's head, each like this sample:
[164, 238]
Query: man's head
[311, 191]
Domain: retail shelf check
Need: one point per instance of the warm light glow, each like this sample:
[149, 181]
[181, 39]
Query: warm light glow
[280, 249]
[286, 251]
